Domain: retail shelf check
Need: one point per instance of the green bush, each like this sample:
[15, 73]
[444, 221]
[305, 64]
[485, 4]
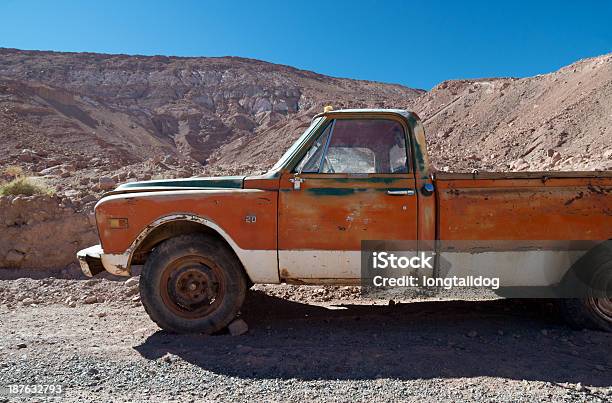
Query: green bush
[13, 171]
[24, 186]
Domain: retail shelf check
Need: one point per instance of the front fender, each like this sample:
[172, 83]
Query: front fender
[244, 218]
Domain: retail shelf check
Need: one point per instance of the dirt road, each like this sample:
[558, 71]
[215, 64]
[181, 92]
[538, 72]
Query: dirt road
[95, 339]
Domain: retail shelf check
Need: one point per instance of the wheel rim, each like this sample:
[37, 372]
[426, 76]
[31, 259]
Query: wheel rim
[192, 287]
[602, 304]
[603, 307]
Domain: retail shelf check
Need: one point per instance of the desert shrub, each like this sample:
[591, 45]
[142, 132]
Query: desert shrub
[13, 171]
[24, 186]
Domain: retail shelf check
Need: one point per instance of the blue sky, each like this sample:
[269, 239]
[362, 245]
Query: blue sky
[415, 43]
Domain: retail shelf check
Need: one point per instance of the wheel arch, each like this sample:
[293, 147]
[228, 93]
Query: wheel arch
[179, 224]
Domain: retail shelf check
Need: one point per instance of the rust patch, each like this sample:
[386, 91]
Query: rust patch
[599, 190]
[579, 196]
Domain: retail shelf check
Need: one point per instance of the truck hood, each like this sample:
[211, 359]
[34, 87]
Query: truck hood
[222, 182]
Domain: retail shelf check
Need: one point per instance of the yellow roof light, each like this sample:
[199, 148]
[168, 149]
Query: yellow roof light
[328, 108]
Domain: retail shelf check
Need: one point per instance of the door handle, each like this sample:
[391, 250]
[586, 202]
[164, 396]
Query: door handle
[407, 192]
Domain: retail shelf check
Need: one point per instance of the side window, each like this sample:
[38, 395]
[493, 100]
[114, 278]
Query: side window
[311, 162]
[366, 146]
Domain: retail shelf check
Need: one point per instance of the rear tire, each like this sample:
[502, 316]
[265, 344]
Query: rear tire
[594, 274]
[588, 313]
[192, 284]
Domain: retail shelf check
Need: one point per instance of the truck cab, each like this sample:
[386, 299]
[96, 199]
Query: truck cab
[358, 175]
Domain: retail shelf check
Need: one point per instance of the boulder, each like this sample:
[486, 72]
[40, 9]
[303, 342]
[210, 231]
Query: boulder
[238, 327]
[14, 258]
[106, 183]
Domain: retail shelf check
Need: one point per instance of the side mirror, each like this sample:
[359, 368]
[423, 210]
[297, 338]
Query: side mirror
[297, 181]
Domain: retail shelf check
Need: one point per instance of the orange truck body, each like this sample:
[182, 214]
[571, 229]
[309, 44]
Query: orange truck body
[287, 226]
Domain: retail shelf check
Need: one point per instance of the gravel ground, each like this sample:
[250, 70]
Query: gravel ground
[304, 343]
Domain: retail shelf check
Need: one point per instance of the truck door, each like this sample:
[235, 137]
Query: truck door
[353, 183]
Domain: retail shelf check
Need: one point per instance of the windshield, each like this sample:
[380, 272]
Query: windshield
[283, 160]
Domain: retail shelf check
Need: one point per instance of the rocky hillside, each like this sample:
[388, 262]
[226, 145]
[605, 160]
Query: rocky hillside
[556, 121]
[79, 116]
[117, 110]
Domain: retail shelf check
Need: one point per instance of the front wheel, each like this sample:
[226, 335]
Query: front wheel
[192, 284]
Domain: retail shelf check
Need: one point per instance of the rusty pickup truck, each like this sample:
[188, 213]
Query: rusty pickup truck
[354, 175]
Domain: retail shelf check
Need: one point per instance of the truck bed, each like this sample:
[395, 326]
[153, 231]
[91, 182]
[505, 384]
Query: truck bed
[525, 228]
[524, 206]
